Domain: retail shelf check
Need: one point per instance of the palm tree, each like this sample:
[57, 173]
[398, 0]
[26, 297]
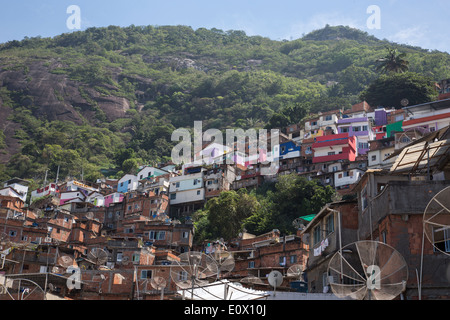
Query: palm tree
[393, 62]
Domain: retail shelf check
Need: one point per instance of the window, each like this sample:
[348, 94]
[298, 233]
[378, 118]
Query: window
[293, 258]
[195, 182]
[441, 239]
[182, 275]
[331, 153]
[334, 168]
[344, 129]
[363, 145]
[317, 235]
[119, 256]
[374, 158]
[136, 257]
[157, 235]
[328, 118]
[329, 224]
[198, 192]
[365, 128]
[161, 235]
[177, 185]
[173, 196]
[185, 234]
[356, 129]
[282, 261]
[12, 233]
[383, 236]
[146, 274]
[251, 264]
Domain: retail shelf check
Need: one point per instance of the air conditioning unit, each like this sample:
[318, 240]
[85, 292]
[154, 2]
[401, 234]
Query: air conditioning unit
[48, 240]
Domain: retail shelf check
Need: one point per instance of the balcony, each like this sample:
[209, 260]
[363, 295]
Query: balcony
[335, 157]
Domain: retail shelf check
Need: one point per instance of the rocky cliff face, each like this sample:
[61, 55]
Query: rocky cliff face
[51, 96]
[56, 97]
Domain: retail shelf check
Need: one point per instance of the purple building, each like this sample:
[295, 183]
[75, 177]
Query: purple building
[361, 128]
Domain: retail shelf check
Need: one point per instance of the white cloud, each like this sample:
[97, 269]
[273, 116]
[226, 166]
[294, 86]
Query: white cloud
[319, 21]
[414, 36]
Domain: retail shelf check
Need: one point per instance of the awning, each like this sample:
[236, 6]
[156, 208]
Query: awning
[308, 217]
[421, 157]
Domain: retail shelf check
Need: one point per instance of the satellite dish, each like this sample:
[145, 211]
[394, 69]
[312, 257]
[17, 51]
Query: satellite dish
[159, 283]
[410, 135]
[4, 237]
[436, 221]
[275, 279]
[251, 280]
[57, 270]
[295, 271]
[366, 270]
[21, 289]
[193, 269]
[404, 102]
[65, 261]
[298, 223]
[224, 259]
[98, 256]
[90, 215]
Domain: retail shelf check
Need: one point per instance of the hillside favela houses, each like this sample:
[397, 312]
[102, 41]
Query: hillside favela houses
[126, 238]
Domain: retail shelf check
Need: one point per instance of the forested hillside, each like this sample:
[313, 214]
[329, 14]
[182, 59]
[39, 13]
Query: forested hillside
[109, 98]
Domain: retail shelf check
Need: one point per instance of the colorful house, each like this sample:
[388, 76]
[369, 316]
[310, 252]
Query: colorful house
[358, 127]
[127, 183]
[334, 147]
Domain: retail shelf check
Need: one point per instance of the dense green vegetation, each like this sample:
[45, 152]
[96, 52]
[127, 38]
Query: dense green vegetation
[173, 75]
[271, 206]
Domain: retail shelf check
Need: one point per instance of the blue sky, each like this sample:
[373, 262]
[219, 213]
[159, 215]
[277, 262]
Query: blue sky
[419, 23]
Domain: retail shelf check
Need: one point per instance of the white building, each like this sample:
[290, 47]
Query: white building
[186, 193]
[346, 178]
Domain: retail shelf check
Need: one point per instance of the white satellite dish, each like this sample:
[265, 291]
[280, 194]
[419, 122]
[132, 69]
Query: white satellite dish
[436, 221]
[368, 270]
[275, 279]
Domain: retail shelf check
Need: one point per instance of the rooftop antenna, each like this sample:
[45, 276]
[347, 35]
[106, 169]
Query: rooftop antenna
[194, 269]
[159, 283]
[57, 175]
[45, 179]
[367, 270]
